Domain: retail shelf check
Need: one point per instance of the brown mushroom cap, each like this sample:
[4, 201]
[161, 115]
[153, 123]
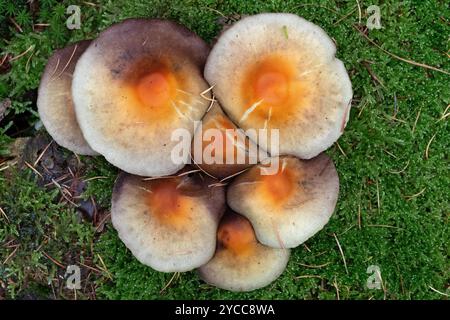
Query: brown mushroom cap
[136, 83]
[277, 70]
[226, 148]
[54, 100]
[168, 223]
[241, 263]
[290, 206]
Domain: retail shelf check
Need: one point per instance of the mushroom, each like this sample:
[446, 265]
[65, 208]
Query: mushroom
[241, 263]
[225, 150]
[290, 206]
[168, 223]
[136, 83]
[277, 70]
[54, 102]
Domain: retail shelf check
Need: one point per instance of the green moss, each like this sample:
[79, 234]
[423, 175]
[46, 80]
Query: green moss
[34, 229]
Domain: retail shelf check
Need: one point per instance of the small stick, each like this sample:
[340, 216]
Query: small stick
[175, 274]
[42, 154]
[415, 195]
[15, 24]
[11, 255]
[428, 145]
[34, 169]
[4, 214]
[418, 64]
[315, 266]
[22, 54]
[437, 291]
[417, 119]
[59, 264]
[342, 252]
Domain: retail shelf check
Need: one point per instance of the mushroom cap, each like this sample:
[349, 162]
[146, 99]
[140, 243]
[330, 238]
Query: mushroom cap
[290, 206]
[54, 102]
[241, 263]
[168, 223]
[279, 70]
[232, 149]
[136, 83]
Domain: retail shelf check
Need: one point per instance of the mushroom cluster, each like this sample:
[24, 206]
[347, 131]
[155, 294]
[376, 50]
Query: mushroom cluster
[123, 94]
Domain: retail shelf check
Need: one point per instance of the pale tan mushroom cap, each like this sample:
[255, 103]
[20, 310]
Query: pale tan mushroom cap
[137, 83]
[168, 224]
[232, 151]
[54, 100]
[289, 207]
[240, 262]
[277, 70]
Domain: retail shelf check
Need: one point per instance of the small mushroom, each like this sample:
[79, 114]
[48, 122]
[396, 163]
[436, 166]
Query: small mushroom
[227, 151]
[54, 102]
[137, 83]
[278, 71]
[168, 223]
[241, 263]
[290, 206]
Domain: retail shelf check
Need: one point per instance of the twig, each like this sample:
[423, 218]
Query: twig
[176, 274]
[402, 170]
[418, 64]
[59, 264]
[42, 154]
[234, 174]
[378, 197]
[95, 178]
[359, 216]
[308, 276]
[104, 267]
[189, 172]
[342, 252]
[383, 226]
[68, 62]
[445, 114]
[344, 17]
[340, 149]
[11, 255]
[415, 195]
[317, 266]
[202, 170]
[202, 94]
[337, 288]
[34, 169]
[4, 214]
[15, 24]
[359, 11]
[417, 119]
[22, 54]
[428, 145]
[437, 291]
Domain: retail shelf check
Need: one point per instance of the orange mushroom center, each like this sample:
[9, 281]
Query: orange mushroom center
[237, 236]
[269, 80]
[157, 88]
[272, 84]
[279, 187]
[154, 89]
[167, 203]
[271, 87]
